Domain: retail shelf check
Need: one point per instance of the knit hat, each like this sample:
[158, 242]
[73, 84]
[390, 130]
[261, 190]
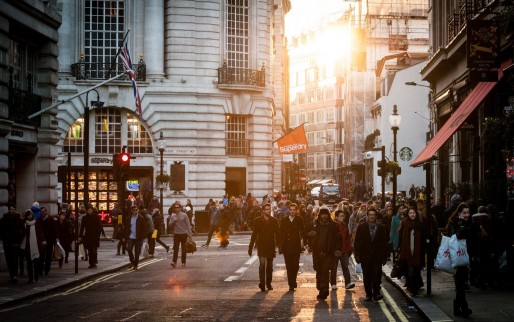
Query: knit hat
[456, 199]
[324, 210]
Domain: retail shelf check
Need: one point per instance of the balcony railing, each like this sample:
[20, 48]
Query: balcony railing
[241, 76]
[92, 71]
[237, 147]
[22, 104]
[466, 10]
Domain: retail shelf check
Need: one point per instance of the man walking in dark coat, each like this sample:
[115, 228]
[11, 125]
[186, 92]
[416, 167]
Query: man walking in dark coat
[89, 235]
[11, 233]
[292, 232]
[371, 252]
[50, 232]
[266, 234]
[325, 243]
[135, 231]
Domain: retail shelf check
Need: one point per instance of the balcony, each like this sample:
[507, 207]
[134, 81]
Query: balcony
[100, 71]
[237, 147]
[242, 76]
[22, 104]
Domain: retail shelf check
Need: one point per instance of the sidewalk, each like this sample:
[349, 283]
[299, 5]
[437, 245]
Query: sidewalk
[487, 305]
[59, 277]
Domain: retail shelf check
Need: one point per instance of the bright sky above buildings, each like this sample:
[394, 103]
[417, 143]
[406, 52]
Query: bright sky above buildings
[307, 14]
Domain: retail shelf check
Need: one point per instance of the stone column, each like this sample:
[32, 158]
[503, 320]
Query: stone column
[154, 38]
[5, 124]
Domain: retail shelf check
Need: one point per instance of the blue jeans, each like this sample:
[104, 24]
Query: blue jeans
[345, 261]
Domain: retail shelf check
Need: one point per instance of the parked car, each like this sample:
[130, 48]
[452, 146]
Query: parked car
[330, 193]
[315, 192]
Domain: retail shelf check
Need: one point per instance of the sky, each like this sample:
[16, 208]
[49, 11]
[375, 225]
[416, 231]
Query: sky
[305, 14]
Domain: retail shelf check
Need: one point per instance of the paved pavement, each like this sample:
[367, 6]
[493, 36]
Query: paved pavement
[487, 305]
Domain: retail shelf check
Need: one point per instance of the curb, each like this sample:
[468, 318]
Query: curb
[62, 284]
[423, 304]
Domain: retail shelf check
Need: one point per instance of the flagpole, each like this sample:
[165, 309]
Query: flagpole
[117, 54]
[76, 95]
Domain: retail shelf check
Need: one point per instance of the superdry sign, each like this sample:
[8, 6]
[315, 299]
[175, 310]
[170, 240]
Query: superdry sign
[293, 142]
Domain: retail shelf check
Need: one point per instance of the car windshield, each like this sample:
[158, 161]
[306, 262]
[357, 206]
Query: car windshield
[330, 189]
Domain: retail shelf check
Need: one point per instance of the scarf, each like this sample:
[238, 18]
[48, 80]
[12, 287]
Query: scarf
[34, 249]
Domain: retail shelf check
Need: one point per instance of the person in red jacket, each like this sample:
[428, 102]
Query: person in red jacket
[345, 251]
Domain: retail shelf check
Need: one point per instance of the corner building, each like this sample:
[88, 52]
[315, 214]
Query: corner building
[211, 77]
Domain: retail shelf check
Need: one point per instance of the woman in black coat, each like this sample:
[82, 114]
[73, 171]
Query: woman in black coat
[90, 231]
[460, 224]
[64, 235]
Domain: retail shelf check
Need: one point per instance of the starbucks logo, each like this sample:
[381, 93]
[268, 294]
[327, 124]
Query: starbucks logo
[406, 154]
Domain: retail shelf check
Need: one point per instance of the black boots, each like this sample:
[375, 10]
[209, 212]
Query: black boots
[461, 309]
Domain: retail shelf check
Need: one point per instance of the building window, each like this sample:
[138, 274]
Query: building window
[320, 161]
[330, 114]
[74, 139]
[310, 138]
[108, 130]
[22, 60]
[310, 162]
[236, 136]
[330, 163]
[113, 129]
[320, 116]
[310, 118]
[103, 33]
[236, 33]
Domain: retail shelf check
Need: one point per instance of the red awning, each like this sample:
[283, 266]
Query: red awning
[474, 98]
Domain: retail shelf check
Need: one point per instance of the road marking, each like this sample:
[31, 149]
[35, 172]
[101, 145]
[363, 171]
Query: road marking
[132, 316]
[178, 315]
[15, 307]
[395, 307]
[240, 271]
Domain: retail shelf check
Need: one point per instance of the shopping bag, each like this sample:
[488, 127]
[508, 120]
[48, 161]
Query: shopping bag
[399, 269]
[56, 253]
[458, 252]
[144, 249]
[61, 249]
[82, 251]
[190, 245]
[443, 260]
[154, 234]
[358, 268]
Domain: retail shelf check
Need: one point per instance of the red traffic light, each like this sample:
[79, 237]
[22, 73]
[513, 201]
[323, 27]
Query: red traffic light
[124, 158]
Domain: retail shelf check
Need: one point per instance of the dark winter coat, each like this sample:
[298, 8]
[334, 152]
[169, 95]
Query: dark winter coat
[90, 230]
[64, 233]
[291, 234]
[49, 229]
[367, 250]
[11, 229]
[411, 258]
[266, 234]
[141, 228]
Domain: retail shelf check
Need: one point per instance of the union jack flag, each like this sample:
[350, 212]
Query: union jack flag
[127, 63]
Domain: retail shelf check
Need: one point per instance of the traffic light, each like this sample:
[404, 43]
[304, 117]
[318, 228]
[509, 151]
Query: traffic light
[124, 165]
[381, 168]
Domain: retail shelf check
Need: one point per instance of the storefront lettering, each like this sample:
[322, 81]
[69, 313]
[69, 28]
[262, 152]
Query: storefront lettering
[101, 160]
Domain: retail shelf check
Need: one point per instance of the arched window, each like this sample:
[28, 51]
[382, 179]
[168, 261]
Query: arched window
[113, 129]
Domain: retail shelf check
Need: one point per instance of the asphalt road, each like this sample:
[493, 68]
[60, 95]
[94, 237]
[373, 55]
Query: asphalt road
[215, 285]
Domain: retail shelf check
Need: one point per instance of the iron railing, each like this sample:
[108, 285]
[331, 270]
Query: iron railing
[237, 147]
[241, 76]
[83, 70]
[466, 10]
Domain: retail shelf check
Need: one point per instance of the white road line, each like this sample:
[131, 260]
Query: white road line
[132, 316]
[15, 307]
[178, 315]
[240, 271]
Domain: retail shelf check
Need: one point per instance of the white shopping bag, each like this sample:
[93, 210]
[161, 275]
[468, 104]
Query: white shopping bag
[458, 252]
[443, 260]
[144, 249]
[358, 268]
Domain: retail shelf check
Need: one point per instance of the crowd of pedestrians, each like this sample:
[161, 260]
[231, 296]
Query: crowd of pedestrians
[367, 230]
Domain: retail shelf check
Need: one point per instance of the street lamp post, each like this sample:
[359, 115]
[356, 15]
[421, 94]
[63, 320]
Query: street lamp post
[162, 145]
[395, 120]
